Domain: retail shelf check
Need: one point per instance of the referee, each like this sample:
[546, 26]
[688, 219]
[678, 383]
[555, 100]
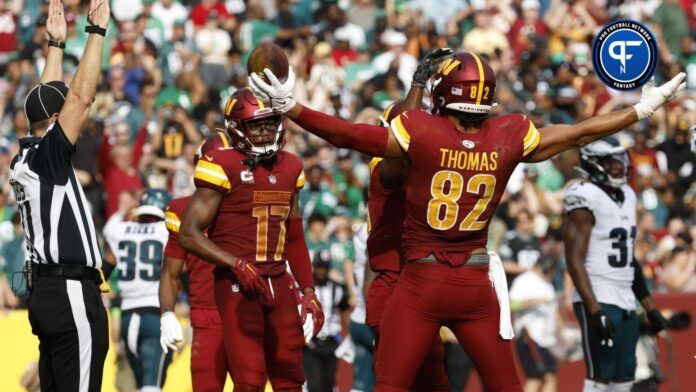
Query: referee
[65, 307]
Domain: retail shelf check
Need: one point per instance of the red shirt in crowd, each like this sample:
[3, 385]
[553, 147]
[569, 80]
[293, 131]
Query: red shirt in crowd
[199, 14]
[116, 180]
[8, 32]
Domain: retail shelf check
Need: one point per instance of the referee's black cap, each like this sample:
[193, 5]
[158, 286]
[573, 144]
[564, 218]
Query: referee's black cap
[44, 100]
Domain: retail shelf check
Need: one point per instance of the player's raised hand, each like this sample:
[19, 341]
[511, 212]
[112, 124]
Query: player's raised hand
[653, 97]
[99, 13]
[428, 66]
[170, 332]
[279, 93]
[310, 304]
[603, 328]
[56, 26]
[250, 279]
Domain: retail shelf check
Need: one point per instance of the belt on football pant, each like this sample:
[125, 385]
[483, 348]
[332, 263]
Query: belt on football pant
[474, 260]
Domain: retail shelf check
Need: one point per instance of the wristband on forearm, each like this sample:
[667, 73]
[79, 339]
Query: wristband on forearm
[57, 44]
[95, 30]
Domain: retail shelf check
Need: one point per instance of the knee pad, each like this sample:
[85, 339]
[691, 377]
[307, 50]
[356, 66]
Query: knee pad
[621, 386]
[594, 386]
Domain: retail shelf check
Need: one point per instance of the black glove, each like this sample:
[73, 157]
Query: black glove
[602, 326]
[657, 321]
[428, 66]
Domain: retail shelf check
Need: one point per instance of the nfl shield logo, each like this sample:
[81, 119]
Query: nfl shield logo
[272, 179]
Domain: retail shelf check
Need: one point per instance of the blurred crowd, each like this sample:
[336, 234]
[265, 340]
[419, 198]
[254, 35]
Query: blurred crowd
[170, 65]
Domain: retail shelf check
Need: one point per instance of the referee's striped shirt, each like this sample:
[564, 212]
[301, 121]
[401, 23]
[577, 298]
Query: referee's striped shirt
[57, 221]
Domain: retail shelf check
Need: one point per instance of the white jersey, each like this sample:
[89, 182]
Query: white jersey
[609, 261]
[139, 249]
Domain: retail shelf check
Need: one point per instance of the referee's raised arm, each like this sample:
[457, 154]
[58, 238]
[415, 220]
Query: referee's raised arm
[84, 85]
[64, 276]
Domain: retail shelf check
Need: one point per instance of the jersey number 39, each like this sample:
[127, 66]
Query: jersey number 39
[150, 254]
[446, 189]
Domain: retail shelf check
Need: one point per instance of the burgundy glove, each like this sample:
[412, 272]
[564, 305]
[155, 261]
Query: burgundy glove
[310, 304]
[250, 279]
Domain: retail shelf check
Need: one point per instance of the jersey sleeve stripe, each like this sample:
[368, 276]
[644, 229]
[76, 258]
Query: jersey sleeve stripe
[301, 179]
[531, 140]
[400, 133]
[373, 163]
[212, 173]
[172, 221]
[482, 78]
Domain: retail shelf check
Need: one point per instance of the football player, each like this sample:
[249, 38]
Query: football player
[386, 206]
[246, 197]
[138, 248]
[599, 235]
[459, 162]
[208, 361]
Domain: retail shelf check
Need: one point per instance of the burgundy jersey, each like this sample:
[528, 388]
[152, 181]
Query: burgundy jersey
[386, 209]
[200, 272]
[252, 217]
[456, 179]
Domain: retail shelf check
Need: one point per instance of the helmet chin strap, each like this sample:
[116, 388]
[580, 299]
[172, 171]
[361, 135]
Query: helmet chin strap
[253, 160]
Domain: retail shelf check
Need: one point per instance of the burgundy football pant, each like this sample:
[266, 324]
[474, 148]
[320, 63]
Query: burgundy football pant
[429, 295]
[208, 362]
[431, 375]
[262, 340]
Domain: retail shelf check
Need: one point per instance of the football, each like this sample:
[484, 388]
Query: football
[271, 56]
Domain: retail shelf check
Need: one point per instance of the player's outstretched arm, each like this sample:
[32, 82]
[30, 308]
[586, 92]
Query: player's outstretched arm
[369, 139]
[84, 85]
[200, 213]
[56, 27]
[558, 138]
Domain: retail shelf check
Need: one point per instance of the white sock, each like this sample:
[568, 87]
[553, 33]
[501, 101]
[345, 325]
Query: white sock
[594, 386]
[150, 389]
[621, 386]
